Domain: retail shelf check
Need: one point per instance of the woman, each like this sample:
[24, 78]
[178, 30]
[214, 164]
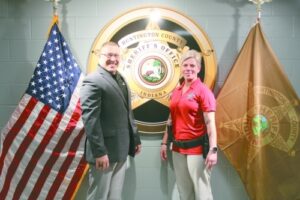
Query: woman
[192, 110]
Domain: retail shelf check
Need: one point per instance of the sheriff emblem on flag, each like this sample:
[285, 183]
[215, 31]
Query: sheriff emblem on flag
[258, 121]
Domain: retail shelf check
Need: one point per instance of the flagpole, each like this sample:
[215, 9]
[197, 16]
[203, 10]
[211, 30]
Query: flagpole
[54, 6]
[258, 7]
[55, 12]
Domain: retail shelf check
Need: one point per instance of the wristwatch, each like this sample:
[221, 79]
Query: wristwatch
[214, 149]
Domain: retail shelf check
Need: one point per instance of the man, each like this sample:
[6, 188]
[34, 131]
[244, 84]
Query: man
[109, 126]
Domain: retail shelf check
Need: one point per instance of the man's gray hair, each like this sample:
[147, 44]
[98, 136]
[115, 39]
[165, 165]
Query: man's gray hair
[109, 43]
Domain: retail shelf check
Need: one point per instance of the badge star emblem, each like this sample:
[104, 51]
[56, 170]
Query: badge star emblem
[260, 125]
[151, 66]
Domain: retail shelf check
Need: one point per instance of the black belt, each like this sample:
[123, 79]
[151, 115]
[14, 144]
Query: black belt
[186, 144]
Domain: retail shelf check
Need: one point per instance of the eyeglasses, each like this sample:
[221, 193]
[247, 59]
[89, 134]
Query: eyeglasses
[110, 55]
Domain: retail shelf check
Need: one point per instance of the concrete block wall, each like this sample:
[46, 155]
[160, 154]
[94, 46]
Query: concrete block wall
[23, 30]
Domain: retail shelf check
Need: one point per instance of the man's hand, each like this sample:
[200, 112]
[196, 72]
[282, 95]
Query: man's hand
[138, 149]
[163, 152]
[102, 163]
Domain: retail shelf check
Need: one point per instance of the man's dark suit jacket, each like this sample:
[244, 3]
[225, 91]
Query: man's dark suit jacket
[108, 118]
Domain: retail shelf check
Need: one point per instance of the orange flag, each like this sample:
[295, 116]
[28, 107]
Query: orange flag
[258, 121]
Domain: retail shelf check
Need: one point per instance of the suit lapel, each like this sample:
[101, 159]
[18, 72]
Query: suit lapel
[107, 76]
[129, 93]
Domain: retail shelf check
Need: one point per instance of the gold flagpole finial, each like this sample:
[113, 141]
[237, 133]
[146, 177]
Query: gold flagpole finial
[258, 6]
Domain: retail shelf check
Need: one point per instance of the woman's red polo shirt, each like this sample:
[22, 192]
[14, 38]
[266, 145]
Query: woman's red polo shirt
[187, 113]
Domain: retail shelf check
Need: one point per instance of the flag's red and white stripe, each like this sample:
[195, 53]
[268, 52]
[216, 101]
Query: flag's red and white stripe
[42, 152]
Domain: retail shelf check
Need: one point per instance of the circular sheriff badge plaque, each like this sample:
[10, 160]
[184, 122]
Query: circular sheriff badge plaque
[152, 40]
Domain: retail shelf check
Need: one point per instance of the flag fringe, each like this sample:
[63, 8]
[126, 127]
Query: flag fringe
[80, 182]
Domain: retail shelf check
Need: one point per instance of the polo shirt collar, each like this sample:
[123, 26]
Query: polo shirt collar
[194, 83]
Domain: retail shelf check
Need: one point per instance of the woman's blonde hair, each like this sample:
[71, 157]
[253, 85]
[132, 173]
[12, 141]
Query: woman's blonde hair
[191, 54]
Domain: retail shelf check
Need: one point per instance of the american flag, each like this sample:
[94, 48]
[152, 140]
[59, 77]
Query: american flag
[41, 153]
